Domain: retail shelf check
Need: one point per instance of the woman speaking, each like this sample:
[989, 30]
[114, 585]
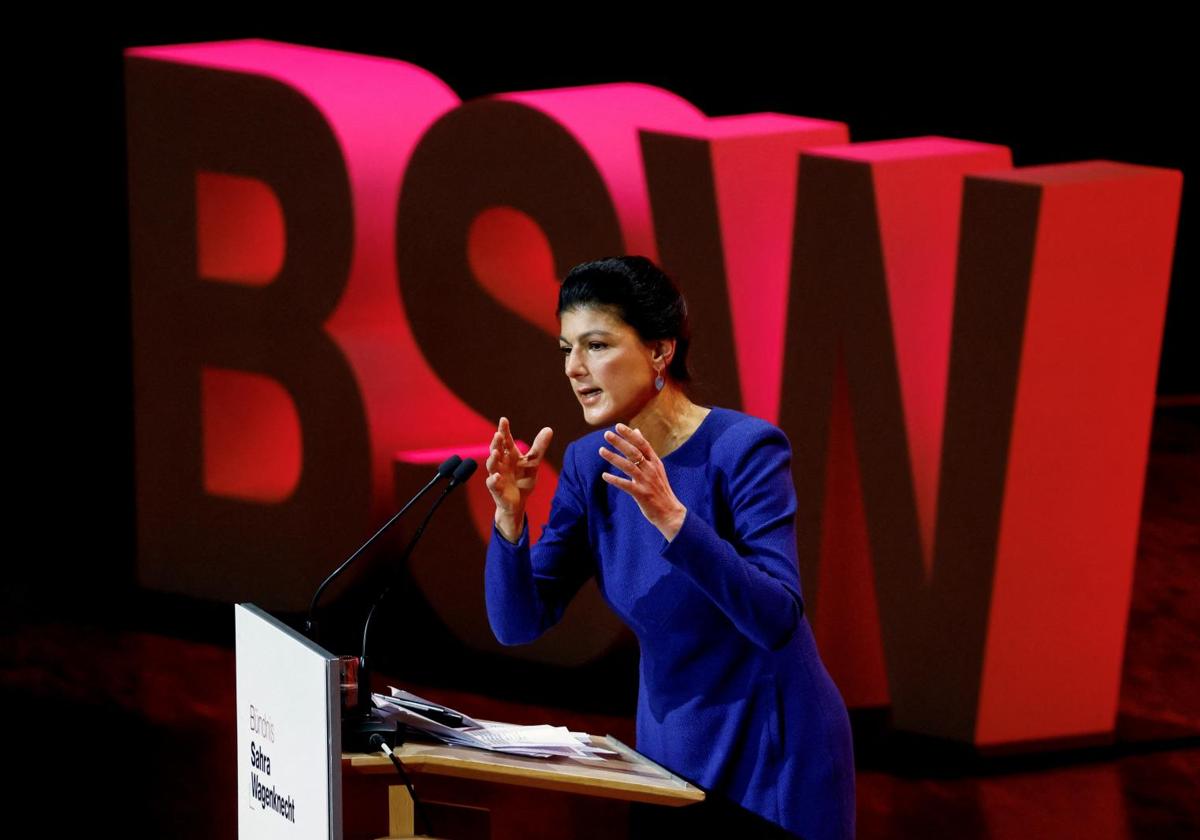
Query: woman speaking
[685, 516]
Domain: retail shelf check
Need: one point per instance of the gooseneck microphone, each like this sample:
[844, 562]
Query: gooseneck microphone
[448, 467]
[362, 725]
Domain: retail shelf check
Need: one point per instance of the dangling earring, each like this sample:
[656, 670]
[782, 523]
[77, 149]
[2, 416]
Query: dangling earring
[659, 382]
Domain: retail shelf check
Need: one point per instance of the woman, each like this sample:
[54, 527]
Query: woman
[685, 516]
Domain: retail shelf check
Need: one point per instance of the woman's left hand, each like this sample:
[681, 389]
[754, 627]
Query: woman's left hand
[647, 482]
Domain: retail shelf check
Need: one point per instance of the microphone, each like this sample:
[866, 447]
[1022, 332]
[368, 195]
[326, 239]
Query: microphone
[449, 467]
[462, 472]
[351, 733]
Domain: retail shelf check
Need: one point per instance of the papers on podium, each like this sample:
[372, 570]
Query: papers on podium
[453, 727]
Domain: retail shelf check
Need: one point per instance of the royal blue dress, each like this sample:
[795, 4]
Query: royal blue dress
[733, 695]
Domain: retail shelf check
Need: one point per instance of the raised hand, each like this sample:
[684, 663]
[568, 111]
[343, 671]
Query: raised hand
[512, 476]
[647, 482]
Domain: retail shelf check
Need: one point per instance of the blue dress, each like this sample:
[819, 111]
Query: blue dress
[733, 695]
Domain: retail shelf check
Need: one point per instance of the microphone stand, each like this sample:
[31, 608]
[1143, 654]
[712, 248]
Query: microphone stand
[359, 728]
[447, 467]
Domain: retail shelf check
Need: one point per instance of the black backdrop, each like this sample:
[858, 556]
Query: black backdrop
[1050, 96]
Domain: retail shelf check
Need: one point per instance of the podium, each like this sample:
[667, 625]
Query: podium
[295, 782]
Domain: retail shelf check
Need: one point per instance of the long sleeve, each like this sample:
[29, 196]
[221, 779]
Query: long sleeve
[753, 578]
[526, 589]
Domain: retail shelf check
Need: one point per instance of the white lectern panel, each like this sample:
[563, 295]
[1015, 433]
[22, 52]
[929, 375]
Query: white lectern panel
[288, 732]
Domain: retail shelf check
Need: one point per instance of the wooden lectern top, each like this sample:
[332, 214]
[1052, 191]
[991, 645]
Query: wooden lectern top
[629, 776]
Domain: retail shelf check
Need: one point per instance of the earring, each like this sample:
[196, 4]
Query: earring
[659, 382]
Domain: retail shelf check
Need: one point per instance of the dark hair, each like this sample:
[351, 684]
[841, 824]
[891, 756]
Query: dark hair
[640, 294]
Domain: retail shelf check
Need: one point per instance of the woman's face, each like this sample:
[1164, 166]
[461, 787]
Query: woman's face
[611, 369]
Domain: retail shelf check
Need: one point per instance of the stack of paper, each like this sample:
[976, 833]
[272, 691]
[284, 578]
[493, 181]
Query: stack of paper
[453, 727]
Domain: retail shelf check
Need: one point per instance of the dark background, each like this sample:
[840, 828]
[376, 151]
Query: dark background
[75, 651]
[1050, 96]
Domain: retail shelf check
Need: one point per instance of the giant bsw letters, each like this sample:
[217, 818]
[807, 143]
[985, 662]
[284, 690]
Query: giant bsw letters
[341, 270]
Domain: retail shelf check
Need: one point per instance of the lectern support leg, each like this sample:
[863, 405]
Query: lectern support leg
[401, 815]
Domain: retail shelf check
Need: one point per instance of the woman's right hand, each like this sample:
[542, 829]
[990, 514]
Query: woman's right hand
[512, 476]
